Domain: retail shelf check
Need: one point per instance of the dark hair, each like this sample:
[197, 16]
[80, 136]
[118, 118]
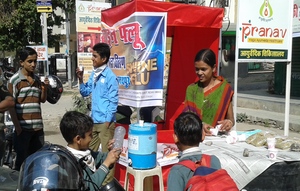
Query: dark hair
[25, 52]
[75, 123]
[188, 128]
[103, 50]
[207, 56]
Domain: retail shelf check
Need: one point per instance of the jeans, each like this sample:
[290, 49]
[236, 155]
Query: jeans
[27, 143]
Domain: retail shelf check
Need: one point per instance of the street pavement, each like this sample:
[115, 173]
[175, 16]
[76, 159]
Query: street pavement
[52, 114]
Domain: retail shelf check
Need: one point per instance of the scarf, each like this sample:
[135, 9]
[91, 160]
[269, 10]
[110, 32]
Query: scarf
[89, 160]
[98, 71]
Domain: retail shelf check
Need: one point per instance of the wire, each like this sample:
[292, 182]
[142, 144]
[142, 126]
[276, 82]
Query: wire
[229, 3]
[83, 165]
[226, 27]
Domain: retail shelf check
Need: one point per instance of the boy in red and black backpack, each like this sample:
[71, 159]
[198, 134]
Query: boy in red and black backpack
[188, 133]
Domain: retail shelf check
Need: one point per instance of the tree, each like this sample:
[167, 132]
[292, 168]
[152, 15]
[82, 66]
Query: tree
[20, 23]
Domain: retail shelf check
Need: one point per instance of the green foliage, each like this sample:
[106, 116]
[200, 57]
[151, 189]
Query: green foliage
[20, 23]
[241, 117]
[80, 103]
[266, 122]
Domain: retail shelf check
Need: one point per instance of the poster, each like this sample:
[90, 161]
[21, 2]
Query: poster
[296, 18]
[138, 47]
[88, 27]
[42, 52]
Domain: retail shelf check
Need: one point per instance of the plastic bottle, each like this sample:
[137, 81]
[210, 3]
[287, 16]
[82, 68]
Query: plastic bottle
[119, 137]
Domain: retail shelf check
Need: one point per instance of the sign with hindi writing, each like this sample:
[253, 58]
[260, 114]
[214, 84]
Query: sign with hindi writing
[88, 27]
[264, 30]
[138, 48]
[42, 52]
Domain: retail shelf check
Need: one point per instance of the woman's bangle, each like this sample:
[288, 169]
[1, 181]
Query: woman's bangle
[230, 122]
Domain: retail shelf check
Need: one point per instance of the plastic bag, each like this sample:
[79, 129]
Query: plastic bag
[257, 139]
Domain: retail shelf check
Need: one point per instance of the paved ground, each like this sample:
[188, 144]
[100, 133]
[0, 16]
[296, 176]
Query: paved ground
[52, 114]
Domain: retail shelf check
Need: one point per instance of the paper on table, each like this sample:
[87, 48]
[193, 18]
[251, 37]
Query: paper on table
[167, 154]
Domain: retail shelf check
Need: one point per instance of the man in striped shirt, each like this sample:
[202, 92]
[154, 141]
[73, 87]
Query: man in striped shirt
[28, 92]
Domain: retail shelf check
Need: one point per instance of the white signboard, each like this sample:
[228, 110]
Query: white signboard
[42, 52]
[61, 64]
[264, 30]
[88, 28]
[88, 15]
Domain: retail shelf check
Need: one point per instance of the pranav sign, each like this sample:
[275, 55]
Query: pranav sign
[264, 30]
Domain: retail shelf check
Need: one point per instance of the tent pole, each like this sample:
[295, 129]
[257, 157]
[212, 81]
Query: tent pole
[236, 69]
[138, 114]
[287, 98]
[220, 53]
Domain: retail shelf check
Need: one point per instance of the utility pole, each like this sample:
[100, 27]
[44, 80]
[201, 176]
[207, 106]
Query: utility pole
[68, 47]
[45, 39]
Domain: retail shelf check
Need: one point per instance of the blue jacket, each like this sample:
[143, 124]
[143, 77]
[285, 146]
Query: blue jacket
[105, 98]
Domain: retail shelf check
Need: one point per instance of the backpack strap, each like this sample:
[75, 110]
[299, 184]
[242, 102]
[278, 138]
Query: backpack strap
[189, 164]
[204, 161]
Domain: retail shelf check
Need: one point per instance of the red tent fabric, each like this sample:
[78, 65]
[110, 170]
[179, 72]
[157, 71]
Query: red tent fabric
[191, 27]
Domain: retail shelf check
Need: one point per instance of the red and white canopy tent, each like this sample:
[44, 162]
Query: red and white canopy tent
[191, 27]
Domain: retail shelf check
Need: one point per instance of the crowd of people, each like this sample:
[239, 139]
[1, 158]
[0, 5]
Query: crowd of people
[206, 105]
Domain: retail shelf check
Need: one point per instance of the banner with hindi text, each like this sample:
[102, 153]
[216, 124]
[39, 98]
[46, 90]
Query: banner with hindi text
[138, 47]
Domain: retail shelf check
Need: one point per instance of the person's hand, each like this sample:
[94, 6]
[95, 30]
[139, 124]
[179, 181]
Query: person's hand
[107, 124]
[206, 128]
[110, 144]
[18, 130]
[112, 157]
[226, 125]
[46, 81]
[45, 84]
[79, 74]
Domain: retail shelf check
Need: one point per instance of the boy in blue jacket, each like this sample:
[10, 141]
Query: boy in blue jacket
[103, 87]
[76, 128]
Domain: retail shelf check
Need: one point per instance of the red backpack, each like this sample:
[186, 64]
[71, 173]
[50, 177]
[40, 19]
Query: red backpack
[206, 178]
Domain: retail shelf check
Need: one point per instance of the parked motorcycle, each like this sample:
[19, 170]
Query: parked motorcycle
[8, 176]
[9, 157]
[6, 72]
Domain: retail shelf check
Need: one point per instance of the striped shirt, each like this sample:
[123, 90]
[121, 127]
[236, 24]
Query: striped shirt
[27, 98]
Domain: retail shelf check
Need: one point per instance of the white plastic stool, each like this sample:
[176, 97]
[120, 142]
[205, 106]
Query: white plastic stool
[140, 175]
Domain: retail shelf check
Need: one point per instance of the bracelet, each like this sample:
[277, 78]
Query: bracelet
[230, 122]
